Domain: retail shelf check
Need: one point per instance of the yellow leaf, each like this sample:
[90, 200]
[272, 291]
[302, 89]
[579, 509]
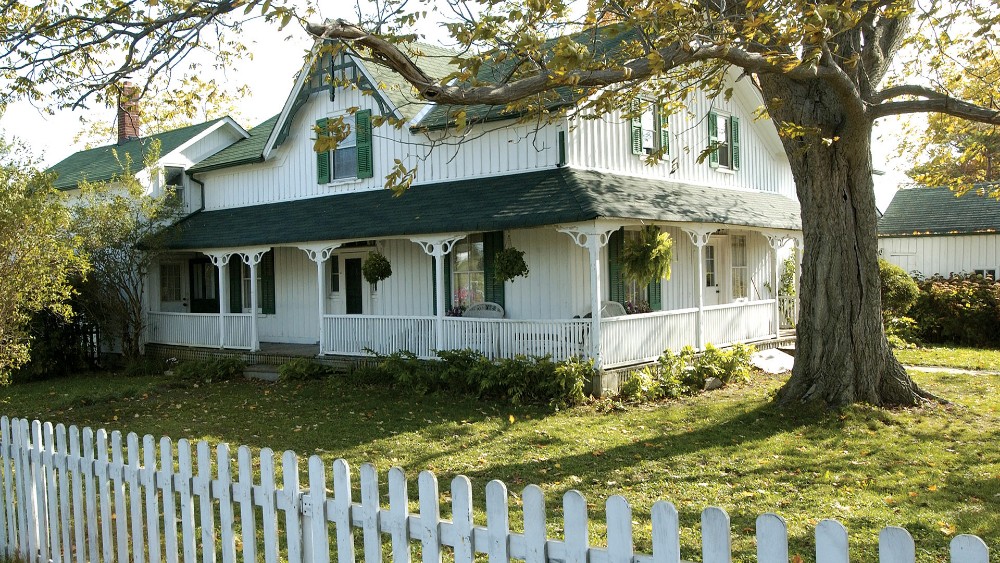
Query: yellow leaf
[932, 488]
[511, 419]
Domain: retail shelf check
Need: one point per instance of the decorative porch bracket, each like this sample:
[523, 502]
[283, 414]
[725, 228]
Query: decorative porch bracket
[776, 240]
[251, 257]
[220, 260]
[699, 238]
[593, 238]
[320, 253]
[438, 247]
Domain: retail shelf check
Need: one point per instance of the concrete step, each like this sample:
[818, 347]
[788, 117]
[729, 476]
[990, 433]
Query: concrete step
[261, 371]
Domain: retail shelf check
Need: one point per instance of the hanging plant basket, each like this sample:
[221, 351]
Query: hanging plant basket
[376, 268]
[647, 257]
[509, 264]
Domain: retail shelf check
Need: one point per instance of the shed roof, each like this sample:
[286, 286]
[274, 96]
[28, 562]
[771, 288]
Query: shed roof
[939, 211]
[532, 199]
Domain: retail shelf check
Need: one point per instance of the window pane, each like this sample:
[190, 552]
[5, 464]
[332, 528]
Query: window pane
[170, 282]
[345, 162]
[710, 266]
[649, 134]
[725, 153]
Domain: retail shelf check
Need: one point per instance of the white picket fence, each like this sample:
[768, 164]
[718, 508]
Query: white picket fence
[66, 499]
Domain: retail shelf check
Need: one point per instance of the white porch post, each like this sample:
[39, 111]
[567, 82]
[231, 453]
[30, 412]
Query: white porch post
[700, 237]
[252, 257]
[320, 254]
[220, 260]
[776, 240]
[799, 253]
[439, 247]
[593, 237]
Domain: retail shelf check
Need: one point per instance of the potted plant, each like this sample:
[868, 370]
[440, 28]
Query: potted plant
[647, 257]
[376, 268]
[509, 264]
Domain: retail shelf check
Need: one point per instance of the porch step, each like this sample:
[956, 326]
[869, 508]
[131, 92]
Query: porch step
[261, 371]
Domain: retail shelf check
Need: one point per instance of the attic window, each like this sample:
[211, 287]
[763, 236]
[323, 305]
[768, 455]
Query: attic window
[174, 180]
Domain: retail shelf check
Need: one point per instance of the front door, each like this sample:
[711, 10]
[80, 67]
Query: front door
[204, 286]
[353, 286]
[710, 281]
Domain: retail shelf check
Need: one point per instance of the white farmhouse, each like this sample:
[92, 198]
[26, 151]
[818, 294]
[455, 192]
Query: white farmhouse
[273, 249]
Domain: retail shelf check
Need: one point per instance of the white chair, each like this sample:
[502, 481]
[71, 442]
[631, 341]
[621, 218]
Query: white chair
[611, 309]
[485, 310]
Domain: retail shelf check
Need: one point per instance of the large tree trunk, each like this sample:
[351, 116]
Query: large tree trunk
[842, 355]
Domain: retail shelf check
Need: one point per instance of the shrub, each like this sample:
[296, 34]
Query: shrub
[207, 371]
[685, 373]
[899, 291]
[962, 309]
[302, 369]
[518, 380]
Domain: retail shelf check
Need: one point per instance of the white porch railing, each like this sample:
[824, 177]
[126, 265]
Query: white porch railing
[352, 334]
[633, 339]
[199, 329]
[738, 322]
[506, 338]
[788, 311]
[238, 330]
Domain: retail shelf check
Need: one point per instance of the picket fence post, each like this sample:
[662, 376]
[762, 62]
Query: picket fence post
[68, 497]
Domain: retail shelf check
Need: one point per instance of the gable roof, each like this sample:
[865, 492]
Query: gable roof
[532, 199]
[938, 211]
[103, 163]
[244, 151]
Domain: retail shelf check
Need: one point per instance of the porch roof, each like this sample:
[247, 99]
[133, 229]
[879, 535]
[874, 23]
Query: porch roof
[532, 199]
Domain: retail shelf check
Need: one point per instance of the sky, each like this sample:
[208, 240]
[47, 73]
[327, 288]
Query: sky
[269, 75]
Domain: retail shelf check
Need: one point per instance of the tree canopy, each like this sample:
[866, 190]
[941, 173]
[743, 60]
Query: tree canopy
[826, 71]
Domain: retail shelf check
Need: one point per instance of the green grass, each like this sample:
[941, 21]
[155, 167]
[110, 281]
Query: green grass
[934, 471]
[943, 356]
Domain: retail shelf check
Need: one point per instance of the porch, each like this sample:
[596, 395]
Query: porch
[624, 341]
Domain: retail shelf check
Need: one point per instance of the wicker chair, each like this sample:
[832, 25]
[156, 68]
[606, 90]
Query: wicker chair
[485, 310]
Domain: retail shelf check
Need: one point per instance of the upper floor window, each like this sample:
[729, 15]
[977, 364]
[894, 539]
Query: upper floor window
[353, 156]
[649, 131]
[724, 135]
[173, 179]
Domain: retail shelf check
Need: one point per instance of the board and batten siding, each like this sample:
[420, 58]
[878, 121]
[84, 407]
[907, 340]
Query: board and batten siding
[604, 144]
[488, 150]
[944, 255]
[295, 316]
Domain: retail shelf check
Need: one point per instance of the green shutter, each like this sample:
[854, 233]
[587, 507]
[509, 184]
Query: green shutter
[363, 134]
[562, 149]
[492, 243]
[322, 158]
[636, 128]
[664, 130]
[655, 300]
[236, 284]
[734, 140]
[267, 293]
[616, 284]
[713, 138]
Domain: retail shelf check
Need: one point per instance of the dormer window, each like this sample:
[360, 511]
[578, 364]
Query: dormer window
[173, 179]
[353, 156]
[724, 135]
[649, 130]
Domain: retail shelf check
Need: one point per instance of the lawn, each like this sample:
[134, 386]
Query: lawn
[961, 358]
[934, 471]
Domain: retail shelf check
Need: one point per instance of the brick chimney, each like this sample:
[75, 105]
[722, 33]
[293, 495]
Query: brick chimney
[128, 112]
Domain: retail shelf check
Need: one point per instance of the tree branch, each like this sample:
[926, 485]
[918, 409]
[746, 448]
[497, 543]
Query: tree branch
[938, 104]
[672, 56]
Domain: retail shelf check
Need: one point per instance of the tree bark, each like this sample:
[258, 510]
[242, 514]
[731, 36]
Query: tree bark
[842, 355]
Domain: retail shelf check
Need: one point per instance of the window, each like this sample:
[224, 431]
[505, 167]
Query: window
[468, 271]
[741, 273]
[987, 273]
[335, 274]
[173, 179]
[634, 293]
[353, 156]
[649, 130]
[724, 135]
[710, 280]
[246, 285]
[170, 282]
[239, 285]
[203, 279]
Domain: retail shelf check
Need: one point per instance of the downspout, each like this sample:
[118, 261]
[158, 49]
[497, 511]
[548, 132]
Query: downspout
[191, 177]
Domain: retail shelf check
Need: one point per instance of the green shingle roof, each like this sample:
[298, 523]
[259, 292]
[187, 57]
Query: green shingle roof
[937, 211]
[531, 199]
[243, 151]
[103, 163]
[435, 61]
